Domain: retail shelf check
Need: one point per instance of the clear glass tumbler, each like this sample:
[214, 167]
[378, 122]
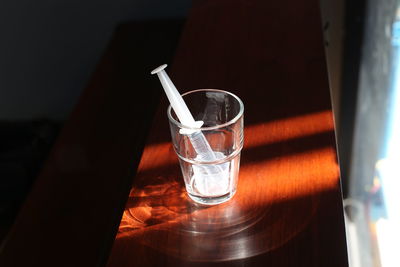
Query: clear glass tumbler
[209, 156]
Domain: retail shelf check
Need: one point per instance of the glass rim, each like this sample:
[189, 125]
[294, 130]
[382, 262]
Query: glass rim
[232, 121]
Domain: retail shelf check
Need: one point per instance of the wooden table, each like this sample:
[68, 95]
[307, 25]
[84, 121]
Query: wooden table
[287, 210]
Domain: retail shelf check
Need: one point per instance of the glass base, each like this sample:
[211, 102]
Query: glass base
[212, 200]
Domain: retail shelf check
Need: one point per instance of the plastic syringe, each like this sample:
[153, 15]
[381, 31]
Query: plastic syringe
[197, 138]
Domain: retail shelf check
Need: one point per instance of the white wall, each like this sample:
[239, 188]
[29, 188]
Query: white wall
[49, 49]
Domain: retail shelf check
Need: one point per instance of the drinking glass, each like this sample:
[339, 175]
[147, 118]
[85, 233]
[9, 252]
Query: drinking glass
[209, 156]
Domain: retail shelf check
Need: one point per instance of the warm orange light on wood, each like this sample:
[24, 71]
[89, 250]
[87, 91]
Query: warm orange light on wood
[270, 54]
[288, 128]
[255, 135]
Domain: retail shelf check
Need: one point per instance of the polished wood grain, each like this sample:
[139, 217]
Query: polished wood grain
[287, 210]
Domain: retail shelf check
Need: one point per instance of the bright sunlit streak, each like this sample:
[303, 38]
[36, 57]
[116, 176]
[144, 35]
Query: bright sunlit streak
[289, 128]
[260, 134]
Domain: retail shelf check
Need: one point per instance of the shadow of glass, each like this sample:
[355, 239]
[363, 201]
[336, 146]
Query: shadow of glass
[161, 216]
[278, 195]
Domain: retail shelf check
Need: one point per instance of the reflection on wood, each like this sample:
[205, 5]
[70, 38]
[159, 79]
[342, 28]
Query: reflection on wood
[265, 210]
[287, 210]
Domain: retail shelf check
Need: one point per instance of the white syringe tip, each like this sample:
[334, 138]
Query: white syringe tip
[158, 69]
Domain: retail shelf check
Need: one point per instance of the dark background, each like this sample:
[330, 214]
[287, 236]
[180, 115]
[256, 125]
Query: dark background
[49, 49]
[48, 52]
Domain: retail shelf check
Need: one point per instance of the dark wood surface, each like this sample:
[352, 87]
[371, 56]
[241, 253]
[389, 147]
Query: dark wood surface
[72, 213]
[288, 209]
